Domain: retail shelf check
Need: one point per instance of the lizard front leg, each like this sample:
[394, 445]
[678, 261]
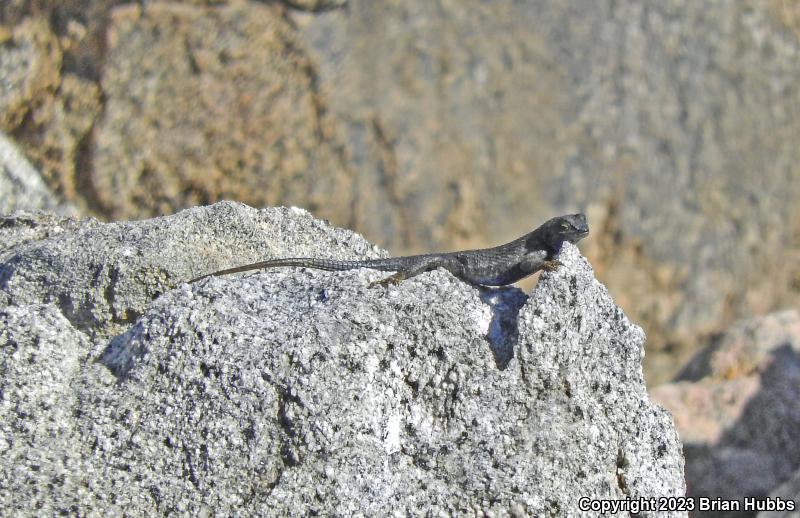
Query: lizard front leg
[534, 261]
[551, 265]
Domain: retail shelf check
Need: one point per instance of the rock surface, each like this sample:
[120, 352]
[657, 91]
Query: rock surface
[103, 276]
[737, 409]
[788, 490]
[206, 104]
[445, 125]
[47, 102]
[468, 120]
[30, 58]
[21, 187]
[297, 391]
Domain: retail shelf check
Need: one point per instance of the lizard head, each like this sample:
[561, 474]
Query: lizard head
[571, 227]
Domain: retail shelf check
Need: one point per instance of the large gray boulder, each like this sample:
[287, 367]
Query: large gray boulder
[295, 392]
[465, 119]
[443, 125]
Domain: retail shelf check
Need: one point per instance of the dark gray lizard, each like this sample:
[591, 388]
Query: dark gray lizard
[495, 266]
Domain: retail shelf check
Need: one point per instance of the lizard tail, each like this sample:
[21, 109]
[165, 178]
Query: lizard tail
[305, 262]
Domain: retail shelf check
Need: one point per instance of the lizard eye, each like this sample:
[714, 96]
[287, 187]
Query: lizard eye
[565, 226]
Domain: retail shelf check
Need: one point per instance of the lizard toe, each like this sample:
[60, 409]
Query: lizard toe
[552, 266]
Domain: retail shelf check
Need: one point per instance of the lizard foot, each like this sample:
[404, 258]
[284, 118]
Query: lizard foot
[551, 266]
[391, 280]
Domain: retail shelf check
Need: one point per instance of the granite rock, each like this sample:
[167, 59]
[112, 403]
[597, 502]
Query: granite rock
[103, 276]
[48, 100]
[444, 125]
[296, 391]
[673, 124]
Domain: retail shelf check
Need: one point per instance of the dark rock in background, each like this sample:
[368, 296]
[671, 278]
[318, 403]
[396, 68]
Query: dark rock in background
[297, 391]
[445, 125]
[737, 409]
[788, 490]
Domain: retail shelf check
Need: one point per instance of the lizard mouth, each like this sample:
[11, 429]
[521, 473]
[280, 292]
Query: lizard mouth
[577, 236]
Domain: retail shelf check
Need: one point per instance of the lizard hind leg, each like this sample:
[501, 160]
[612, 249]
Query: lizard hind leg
[386, 281]
[424, 264]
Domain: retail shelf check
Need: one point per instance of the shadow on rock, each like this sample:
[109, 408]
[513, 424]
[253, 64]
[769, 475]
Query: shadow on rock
[740, 419]
[503, 330]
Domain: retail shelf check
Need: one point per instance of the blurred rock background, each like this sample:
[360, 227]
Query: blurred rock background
[443, 125]
[436, 125]
[736, 407]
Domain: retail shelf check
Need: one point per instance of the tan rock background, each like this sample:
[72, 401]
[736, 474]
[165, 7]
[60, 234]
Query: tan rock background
[439, 125]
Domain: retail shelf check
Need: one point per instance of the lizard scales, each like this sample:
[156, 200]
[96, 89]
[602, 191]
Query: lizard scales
[496, 266]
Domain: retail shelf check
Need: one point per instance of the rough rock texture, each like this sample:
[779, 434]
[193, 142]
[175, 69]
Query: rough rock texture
[463, 123]
[737, 409]
[56, 137]
[788, 490]
[297, 391]
[211, 103]
[21, 187]
[29, 61]
[468, 120]
[48, 100]
[45, 457]
[104, 276]
[23, 227]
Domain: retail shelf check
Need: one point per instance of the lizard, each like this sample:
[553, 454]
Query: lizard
[497, 266]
